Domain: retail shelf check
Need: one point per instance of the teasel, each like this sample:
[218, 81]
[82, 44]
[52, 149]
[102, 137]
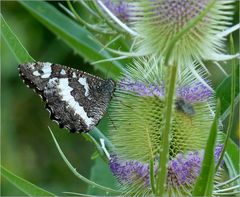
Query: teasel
[138, 106]
[160, 31]
[137, 119]
[180, 31]
[183, 171]
[191, 29]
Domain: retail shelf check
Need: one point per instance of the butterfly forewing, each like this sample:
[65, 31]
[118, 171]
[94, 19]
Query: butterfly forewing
[75, 99]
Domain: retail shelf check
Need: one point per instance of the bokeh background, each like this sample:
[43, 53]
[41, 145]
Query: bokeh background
[26, 145]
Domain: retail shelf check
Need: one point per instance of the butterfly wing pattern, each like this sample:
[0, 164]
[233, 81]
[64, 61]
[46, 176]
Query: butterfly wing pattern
[75, 99]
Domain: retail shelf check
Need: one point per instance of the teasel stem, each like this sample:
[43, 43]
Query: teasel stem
[152, 178]
[231, 115]
[97, 135]
[89, 9]
[74, 171]
[164, 147]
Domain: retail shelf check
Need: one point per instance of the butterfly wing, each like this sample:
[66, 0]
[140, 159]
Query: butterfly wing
[75, 99]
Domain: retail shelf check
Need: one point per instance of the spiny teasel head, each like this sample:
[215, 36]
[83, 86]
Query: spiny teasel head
[183, 170]
[159, 22]
[137, 112]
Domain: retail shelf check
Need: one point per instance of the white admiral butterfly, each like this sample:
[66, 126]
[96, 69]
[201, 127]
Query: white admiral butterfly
[75, 99]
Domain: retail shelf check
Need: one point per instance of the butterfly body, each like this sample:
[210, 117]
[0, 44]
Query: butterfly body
[75, 99]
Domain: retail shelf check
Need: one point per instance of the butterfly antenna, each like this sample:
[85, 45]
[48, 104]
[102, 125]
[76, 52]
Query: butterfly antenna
[108, 115]
[115, 97]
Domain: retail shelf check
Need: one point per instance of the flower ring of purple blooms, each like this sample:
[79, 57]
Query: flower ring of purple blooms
[195, 92]
[182, 170]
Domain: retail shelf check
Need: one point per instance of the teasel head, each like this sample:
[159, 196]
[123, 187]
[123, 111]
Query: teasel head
[189, 29]
[179, 31]
[137, 112]
[137, 119]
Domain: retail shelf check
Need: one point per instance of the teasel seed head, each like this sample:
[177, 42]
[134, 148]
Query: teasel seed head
[158, 22]
[137, 112]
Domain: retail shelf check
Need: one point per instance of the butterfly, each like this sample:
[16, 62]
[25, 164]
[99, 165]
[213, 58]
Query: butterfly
[76, 100]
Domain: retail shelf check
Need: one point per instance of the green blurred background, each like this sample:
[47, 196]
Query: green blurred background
[27, 147]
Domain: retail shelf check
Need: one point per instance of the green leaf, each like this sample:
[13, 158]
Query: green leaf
[101, 174]
[223, 91]
[14, 44]
[76, 37]
[226, 113]
[22, 184]
[232, 156]
[232, 98]
[204, 183]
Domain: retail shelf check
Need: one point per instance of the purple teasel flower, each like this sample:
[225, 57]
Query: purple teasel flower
[183, 169]
[119, 8]
[195, 92]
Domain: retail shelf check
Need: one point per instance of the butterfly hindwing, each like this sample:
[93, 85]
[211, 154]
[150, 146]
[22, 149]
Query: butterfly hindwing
[75, 99]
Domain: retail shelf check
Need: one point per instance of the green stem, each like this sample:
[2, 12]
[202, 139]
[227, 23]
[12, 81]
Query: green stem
[152, 178]
[164, 148]
[97, 134]
[74, 171]
[88, 8]
[230, 122]
[226, 194]
[98, 147]
[87, 25]
[222, 184]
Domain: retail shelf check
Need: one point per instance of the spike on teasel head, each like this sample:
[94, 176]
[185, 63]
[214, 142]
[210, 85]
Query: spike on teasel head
[159, 22]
